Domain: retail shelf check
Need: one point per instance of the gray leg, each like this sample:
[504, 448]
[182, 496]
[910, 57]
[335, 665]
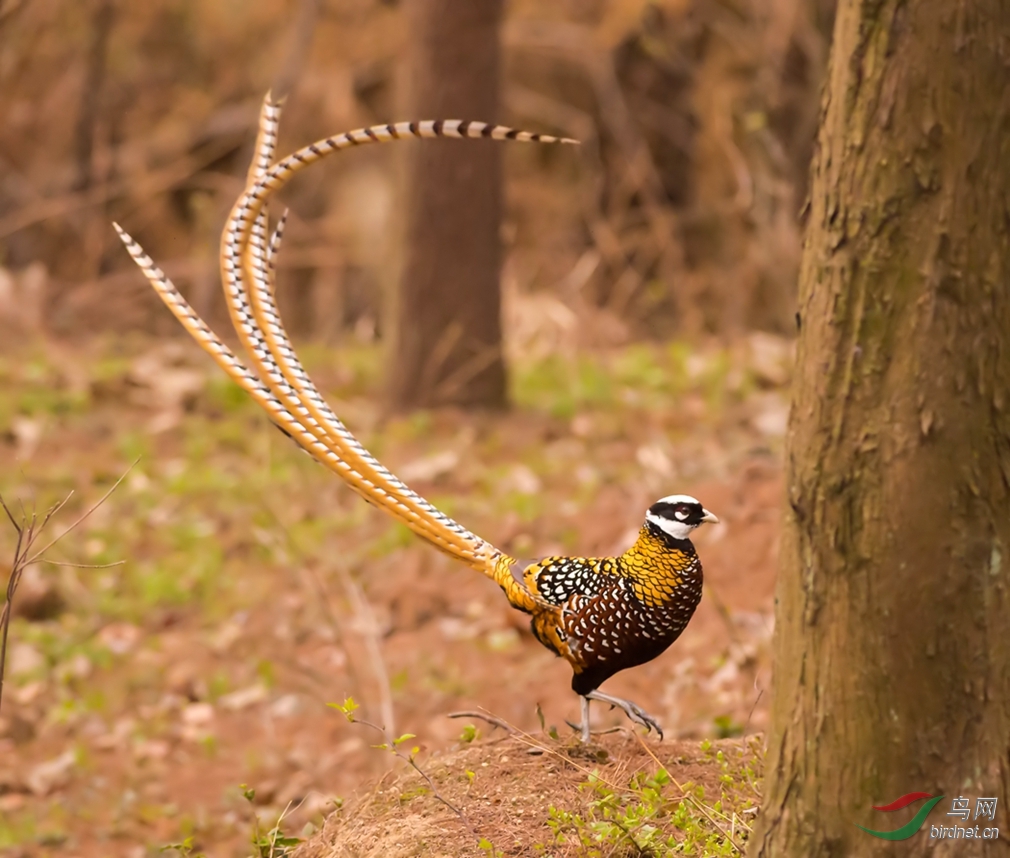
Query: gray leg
[583, 728]
[635, 712]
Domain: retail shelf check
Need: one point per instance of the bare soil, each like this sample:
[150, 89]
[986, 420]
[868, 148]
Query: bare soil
[502, 792]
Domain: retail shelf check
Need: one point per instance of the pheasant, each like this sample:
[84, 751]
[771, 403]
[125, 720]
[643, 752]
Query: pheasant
[602, 615]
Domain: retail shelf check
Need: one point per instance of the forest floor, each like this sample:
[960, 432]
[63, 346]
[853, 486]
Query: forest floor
[145, 699]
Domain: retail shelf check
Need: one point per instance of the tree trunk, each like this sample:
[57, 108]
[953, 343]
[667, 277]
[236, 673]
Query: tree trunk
[892, 646]
[447, 313]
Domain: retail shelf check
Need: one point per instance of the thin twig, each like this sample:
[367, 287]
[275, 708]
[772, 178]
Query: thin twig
[95, 506]
[490, 719]
[17, 566]
[629, 833]
[757, 700]
[277, 828]
[393, 748]
[84, 565]
[369, 630]
[323, 599]
[615, 729]
[723, 611]
[529, 741]
[144, 185]
[333, 619]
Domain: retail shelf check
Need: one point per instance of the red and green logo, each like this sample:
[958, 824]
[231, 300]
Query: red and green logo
[914, 824]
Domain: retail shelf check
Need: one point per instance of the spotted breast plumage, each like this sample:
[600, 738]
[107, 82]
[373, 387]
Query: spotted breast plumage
[602, 615]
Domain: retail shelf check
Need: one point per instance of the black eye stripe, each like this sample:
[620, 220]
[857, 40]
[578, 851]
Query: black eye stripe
[663, 509]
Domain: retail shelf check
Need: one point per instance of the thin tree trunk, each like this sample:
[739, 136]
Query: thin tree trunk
[447, 313]
[892, 649]
[91, 95]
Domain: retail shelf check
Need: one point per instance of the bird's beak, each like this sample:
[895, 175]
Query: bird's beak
[709, 517]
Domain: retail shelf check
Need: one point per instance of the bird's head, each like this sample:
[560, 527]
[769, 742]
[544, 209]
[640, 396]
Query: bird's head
[678, 515]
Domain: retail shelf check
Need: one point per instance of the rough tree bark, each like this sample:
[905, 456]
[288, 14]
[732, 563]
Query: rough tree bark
[892, 649]
[447, 313]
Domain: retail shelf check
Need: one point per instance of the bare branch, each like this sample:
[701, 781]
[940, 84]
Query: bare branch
[95, 506]
[84, 565]
[29, 529]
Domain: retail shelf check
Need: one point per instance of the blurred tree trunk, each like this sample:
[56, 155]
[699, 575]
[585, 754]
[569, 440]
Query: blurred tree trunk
[447, 313]
[91, 93]
[892, 648]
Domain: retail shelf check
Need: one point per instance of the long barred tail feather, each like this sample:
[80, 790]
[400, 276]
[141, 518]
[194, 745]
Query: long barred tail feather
[283, 387]
[292, 425]
[273, 353]
[256, 324]
[273, 248]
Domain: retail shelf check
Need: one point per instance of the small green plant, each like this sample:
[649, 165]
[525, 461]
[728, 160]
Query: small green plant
[726, 727]
[184, 848]
[488, 848]
[656, 816]
[268, 844]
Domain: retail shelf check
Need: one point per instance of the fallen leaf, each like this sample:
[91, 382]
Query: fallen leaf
[770, 358]
[286, 706]
[244, 697]
[430, 467]
[26, 432]
[120, 638]
[49, 776]
[23, 659]
[197, 714]
[152, 749]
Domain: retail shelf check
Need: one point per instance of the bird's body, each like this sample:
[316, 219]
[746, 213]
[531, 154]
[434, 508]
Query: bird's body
[602, 615]
[615, 612]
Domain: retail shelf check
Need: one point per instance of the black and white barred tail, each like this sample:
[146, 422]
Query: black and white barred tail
[284, 389]
[260, 329]
[295, 426]
[272, 350]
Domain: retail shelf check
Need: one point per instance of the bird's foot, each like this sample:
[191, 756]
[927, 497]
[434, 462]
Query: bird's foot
[578, 728]
[635, 712]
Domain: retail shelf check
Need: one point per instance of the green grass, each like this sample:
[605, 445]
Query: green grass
[643, 377]
[653, 814]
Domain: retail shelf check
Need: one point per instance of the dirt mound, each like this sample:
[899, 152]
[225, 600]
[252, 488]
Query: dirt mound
[533, 795]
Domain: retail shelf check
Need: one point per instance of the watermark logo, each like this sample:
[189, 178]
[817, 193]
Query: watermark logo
[914, 824]
[985, 809]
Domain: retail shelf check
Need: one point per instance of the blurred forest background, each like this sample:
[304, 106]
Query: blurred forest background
[648, 287]
[697, 119]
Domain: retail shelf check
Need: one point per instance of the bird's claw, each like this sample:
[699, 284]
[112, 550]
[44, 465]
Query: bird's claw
[635, 712]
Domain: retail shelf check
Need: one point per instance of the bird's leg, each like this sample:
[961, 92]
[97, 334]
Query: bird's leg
[635, 712]
[583, 728]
